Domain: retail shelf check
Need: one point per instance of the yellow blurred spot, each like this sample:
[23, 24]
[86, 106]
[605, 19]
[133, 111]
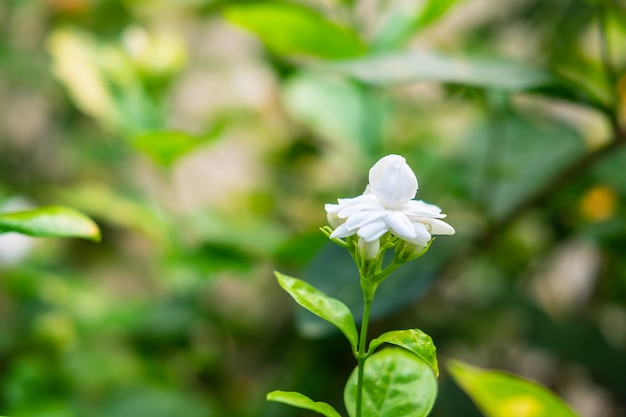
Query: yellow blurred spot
[599, 203]
[57, 328]
[521, 406]
[155, 53]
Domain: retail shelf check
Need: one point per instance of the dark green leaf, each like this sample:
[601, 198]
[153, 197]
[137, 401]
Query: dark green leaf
[499, 394]
[330, 309]
[430, 66]
[290, 29]
[396, 384]
[52, 221]
[296, 399]
[413, 340]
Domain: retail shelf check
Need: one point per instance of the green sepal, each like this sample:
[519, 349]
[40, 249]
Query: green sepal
[396, 384]
[298, 400]
[413, 340]
[320, 304]
[499, 394]
[51, 221]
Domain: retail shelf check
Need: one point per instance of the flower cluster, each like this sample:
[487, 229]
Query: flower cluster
[387, 205]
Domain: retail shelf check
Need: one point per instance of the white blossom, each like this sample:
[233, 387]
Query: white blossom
[388, 205]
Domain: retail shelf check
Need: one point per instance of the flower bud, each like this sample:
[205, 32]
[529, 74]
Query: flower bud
[406, 251]
[334, 221]
[369, 250]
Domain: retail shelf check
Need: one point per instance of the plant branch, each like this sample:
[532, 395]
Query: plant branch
[605, 48]
[567, 175]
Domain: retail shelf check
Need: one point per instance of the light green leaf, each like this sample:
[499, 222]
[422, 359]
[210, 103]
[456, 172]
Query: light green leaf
[499, 394]
[118, 209]
[396, 384]
[403, 20]
[429, 66]
[291, 29]
[296, 399]
[330, 309]
[413, 340]
[166, 147]
[52, 221]
[315, 102]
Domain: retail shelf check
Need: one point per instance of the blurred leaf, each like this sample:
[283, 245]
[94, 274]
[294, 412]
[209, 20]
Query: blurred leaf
[316, 101]
[154, 402]
[296, 399]
[120, 210]
[430, 66]
[107, 83]
[330, 309]
[75, 65]
[52, 221]
[413, 340]
[166, 147]
[291, 29]
[401, 22]
[521, 158]
[580, 339]
[237, 231]
[499, 394]
[396, 384]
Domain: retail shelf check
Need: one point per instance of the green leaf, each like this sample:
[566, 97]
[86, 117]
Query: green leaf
[522, 165]
[405, 20]
[290, 29]
[296, 399]
[413, 340]
[315, 102]
[396, 384]
[52, 221]
[499, 394]
[330, 309]
[430, 66]
[167, 146]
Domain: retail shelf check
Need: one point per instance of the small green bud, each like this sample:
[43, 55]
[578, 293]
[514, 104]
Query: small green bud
[406, 252]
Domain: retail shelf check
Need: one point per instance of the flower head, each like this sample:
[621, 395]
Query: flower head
[388, 205]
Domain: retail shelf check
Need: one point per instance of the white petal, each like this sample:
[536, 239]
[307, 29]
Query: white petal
[332, 208]
[362, 218]
[422, 209]
[333, 220]
[400, 225]
[342, 231]
[392, 181]
[422, 235]
[373, 231]
[363, 198]
[439, 227]
[348, 211]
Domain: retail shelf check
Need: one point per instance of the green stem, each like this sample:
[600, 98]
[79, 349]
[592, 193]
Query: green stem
[605, 48]
[361, 355]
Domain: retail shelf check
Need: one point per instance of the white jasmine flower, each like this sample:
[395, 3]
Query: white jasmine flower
[387, 205]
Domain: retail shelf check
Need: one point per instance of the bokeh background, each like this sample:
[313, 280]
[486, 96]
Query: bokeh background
[205, 136]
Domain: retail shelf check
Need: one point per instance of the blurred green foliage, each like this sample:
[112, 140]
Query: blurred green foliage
[204, 138]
